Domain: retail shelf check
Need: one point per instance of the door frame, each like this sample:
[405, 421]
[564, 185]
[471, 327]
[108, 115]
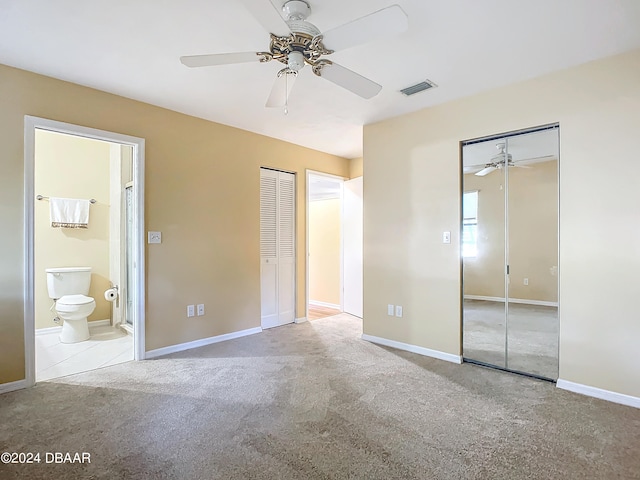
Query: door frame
[499, 136]
[32, 123]
[339, 179]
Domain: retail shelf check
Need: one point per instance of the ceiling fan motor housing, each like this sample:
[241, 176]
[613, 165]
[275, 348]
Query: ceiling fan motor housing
[303, 27]
[304, 45]
[296, 10]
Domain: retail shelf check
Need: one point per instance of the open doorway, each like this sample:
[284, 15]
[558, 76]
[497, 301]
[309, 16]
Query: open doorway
[334, 245]
[324, 245]
[84, 270]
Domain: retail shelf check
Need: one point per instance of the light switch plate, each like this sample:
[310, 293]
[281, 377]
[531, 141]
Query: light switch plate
[200, 309]
[190, 310]
[154, 237]
[446, 237]
[398, 310]
[390, 310]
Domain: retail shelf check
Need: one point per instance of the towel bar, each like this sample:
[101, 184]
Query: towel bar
[40, 197]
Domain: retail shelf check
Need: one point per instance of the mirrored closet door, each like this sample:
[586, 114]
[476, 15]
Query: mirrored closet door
[510, 251]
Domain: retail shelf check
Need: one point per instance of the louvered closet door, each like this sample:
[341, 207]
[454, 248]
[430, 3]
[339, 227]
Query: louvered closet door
[269, 247]
[286, 247]
[277, 247]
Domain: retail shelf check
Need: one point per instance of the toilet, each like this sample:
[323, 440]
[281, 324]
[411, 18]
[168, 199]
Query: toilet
[69, 287]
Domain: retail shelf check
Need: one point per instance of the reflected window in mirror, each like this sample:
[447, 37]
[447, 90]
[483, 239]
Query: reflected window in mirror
[470, 224]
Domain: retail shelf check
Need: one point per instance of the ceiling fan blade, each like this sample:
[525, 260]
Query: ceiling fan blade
[534, 160]
[485, 171]
[281, 90]
[383, 23]
[518, 166]
[219, 59]
[268, 16]
[350, 80]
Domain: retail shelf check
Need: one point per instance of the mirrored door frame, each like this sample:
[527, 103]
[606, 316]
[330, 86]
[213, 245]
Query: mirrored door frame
[505, 137]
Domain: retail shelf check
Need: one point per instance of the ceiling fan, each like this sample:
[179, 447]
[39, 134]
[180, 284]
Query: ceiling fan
[295, 42]
[498, 161]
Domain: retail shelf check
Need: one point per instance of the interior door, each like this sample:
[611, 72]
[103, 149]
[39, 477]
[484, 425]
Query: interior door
[286, 248]
[277, 247]
[352, 246]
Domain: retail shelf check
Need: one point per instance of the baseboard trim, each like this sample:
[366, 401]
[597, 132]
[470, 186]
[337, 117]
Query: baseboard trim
[12, 386]
[100, 323]
[525, 301]
[48, 330]
[300, 320]
[318, 303]
[200, 343]
[58, 329]
[427, 352]
[595, 392]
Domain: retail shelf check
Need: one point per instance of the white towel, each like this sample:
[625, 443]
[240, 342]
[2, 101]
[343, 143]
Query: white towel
[69, 212]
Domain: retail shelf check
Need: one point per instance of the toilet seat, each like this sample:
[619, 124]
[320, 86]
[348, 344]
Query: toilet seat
[74, 300]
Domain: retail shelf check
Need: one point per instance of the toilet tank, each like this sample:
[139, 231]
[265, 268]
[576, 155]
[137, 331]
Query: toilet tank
[68, 281]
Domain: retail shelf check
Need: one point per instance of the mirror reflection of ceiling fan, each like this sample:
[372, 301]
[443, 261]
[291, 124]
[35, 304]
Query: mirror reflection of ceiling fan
[295, 42]
[498, 162]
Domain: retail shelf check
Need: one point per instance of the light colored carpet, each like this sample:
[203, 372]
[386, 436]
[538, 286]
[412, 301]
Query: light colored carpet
[313, 401]
[532, 336]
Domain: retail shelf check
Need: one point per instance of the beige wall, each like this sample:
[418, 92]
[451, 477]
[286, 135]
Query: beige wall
[533, 234]
[324, 250]
[412, 195]
[202, 193]
[356, 167]
[71, 167]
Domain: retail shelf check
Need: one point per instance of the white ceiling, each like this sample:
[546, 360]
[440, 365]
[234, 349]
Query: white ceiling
[131, 48]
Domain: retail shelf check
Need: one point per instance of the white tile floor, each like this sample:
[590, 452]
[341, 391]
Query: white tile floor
[107, 346]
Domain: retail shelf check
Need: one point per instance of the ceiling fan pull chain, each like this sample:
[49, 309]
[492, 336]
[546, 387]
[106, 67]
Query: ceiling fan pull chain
[286, 94]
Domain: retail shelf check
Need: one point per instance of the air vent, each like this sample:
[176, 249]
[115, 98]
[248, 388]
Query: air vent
[418, 87]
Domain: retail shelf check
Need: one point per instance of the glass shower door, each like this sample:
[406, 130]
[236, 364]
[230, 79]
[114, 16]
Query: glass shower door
[128, 253]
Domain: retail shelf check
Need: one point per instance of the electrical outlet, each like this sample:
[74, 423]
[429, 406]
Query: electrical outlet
[398, 310]
[390, 310]
[191, 311]
[200, 309]
[154, 237]
[526, 281]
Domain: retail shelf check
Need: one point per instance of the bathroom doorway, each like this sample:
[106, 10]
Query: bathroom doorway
[105, 171]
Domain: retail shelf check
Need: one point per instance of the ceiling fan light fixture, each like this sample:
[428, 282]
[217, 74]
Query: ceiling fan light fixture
[296, 42]
[295, 61]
